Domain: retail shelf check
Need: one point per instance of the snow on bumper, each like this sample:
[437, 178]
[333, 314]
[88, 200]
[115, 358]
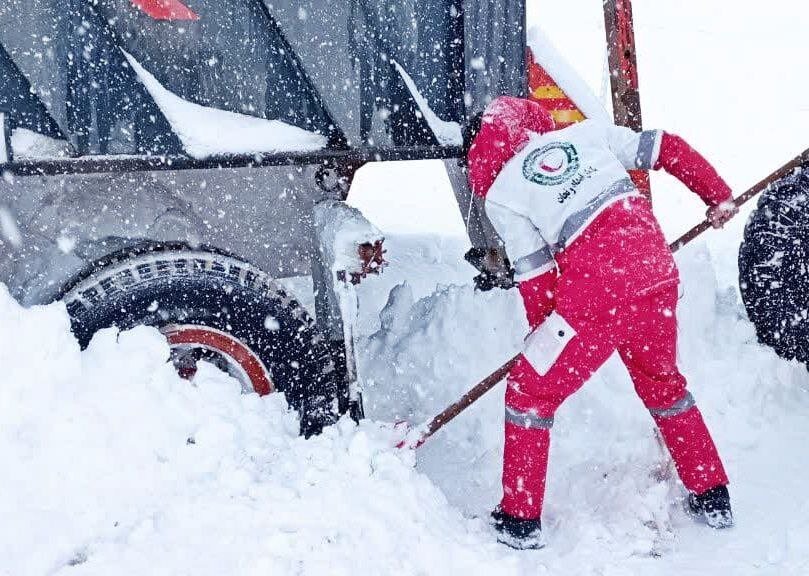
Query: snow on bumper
[349, 244]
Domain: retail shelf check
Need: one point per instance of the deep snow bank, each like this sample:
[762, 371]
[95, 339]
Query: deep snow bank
[111, 464]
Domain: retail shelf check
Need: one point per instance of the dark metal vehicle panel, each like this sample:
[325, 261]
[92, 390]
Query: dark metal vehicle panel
[380, 80]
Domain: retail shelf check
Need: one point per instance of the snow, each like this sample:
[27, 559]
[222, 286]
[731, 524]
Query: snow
[29, 144]
[342, 229]
[110, 464]
[419, 191]
[607, 512]
[9, 230]
[447, 133]
[565, 76]
[114, 465]
[128, 469]
[208, 131]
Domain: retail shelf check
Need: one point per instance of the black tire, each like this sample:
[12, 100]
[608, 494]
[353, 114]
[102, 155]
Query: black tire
[774, 267]
[163, 285]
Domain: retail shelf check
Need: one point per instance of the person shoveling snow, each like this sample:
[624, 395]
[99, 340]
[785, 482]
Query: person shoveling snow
[596, 276]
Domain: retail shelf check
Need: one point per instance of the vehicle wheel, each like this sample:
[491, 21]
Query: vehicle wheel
[215, 307]
[774, 267]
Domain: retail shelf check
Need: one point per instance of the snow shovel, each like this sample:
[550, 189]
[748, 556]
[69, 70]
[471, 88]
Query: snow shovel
[416, 436]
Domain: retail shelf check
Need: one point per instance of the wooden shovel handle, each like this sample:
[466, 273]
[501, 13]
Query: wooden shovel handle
[495, 377]
[798, 161]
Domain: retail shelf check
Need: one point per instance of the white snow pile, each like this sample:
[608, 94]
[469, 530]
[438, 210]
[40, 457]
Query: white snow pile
[28, 144]
[111, 464]
[208, 131]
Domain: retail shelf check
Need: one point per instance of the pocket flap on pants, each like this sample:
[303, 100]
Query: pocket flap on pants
[544, 345]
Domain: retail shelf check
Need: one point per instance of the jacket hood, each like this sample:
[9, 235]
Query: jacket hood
[507, 124]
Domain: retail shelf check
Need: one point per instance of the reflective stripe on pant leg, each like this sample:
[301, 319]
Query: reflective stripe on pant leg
[527, 419]
[525, 463]
[680, 406]
[692, 449]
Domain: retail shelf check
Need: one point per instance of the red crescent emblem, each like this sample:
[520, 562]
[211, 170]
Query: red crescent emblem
[548, 168]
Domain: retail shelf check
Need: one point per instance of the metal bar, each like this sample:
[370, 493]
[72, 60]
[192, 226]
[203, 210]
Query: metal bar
[623, 67]
[5, 140]
[622, 63]
[102, 165]
[458, 58]
[346, 294]
[526, 91]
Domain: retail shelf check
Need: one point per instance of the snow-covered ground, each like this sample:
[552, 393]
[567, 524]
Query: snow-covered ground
[114, 465]
[111, 464]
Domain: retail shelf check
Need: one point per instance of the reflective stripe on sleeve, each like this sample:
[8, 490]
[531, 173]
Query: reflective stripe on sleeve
[648, 149]
[534, 264]
[527, 419]
[577, 222]
[682, 405]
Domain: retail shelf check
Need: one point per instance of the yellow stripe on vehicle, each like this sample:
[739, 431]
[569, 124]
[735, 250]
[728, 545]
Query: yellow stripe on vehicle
[544, 92]
[566, 116]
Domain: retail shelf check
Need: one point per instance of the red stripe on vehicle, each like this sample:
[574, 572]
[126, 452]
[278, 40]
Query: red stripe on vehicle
[229, 345]
[557, 103]
[166, 9]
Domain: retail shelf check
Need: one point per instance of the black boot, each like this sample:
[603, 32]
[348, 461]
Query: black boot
[712, 506]
[518, 533]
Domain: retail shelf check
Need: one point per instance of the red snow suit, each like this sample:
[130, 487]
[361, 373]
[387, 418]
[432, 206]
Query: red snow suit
[596, 276]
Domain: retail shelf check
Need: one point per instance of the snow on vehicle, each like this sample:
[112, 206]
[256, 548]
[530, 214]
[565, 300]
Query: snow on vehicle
[167, 161]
